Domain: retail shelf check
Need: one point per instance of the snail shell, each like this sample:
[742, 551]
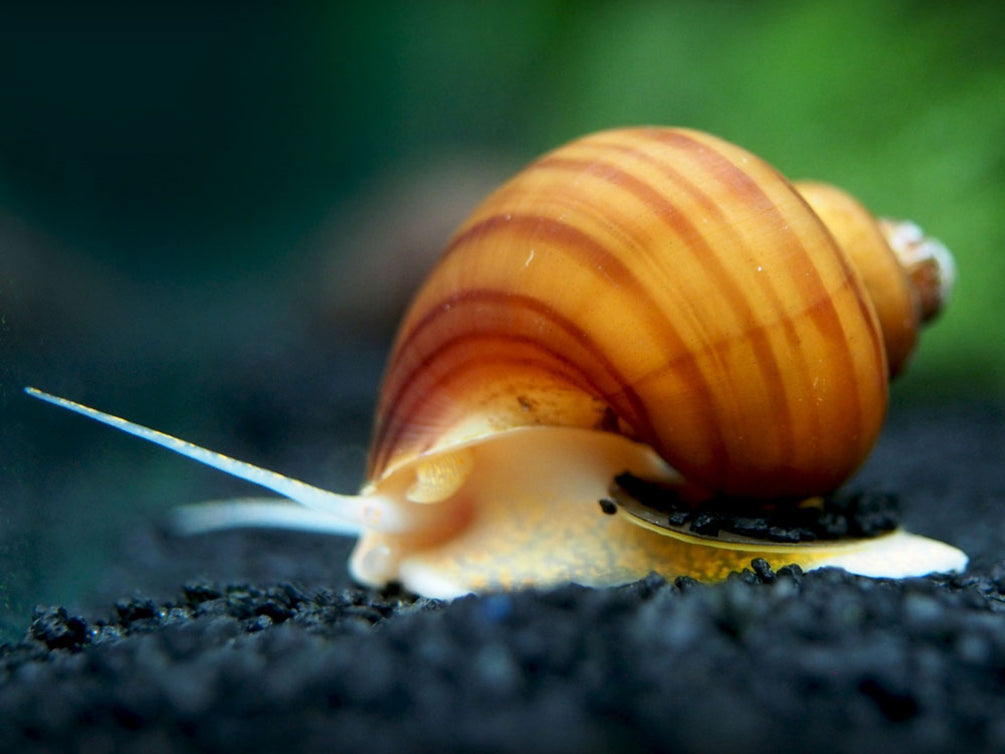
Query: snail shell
[660, 277]
[648, 299]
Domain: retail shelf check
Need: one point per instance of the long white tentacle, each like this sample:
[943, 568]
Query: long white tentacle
[256, 512]
[353, 511]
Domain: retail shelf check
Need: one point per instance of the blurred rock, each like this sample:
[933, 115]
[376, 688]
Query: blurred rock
[371, 255]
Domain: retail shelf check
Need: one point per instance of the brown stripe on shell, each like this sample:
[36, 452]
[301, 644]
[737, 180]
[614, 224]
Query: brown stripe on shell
[702, 252]
[533, 227]
[625, 400]
[594, 256]
[617, 145]
[413, 396]
[576, 222]
[825, 317]
[867, 314]
[629, 405]
[738, 177]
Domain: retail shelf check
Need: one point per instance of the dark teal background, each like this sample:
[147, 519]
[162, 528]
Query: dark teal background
[184, 185]
[188, 142]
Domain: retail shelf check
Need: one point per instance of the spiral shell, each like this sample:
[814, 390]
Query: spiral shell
[661, 283]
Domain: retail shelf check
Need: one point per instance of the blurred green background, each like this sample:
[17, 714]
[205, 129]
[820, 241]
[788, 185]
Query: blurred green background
[179, 181]
[199, 143]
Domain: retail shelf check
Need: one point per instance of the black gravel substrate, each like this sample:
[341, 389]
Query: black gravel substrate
[764, 662]
[271, 648]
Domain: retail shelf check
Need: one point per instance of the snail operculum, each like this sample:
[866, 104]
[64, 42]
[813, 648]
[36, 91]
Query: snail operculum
[740, 520]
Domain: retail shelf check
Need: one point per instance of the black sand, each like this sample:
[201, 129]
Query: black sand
[273, 649]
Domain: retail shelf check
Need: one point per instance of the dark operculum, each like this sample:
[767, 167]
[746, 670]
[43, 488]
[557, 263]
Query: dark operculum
[841, 515]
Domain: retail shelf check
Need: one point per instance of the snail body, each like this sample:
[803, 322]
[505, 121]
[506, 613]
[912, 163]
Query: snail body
[649, 300]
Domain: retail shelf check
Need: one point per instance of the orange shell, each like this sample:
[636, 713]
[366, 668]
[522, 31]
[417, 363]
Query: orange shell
[660, 283]
[859, 234]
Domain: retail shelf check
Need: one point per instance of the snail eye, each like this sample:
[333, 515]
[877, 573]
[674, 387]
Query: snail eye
[440, 477]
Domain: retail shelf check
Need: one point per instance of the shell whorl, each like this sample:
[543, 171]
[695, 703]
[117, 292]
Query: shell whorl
[661, 283]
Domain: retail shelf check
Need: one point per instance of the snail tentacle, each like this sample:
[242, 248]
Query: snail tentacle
[355, 511]
[264, 512]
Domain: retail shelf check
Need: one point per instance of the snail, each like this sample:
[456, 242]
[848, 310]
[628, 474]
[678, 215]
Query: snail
[655, 301]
